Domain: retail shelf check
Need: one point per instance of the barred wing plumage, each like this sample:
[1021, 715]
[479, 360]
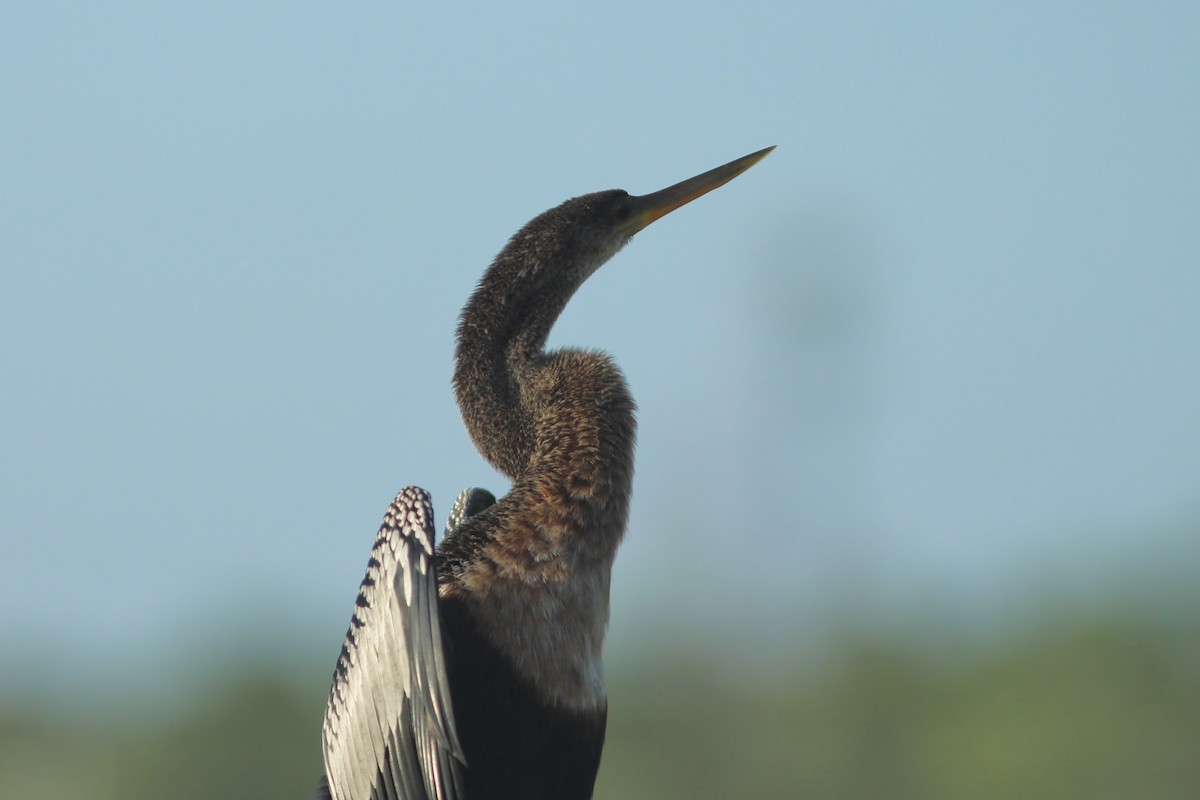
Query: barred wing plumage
[389, 726]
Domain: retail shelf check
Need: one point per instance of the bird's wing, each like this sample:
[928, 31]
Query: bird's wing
[389, 727]
[468, 503]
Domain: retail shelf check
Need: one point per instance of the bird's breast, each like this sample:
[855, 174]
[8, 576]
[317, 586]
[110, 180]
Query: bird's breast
[551, 632]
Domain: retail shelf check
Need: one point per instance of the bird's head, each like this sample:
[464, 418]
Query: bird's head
[565, 245]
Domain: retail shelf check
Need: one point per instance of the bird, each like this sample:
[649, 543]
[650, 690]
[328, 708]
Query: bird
[472, 668]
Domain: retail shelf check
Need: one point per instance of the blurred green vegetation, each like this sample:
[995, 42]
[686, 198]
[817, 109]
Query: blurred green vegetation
[1098, 707]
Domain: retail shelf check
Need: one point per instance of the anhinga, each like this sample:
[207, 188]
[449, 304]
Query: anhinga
[473, 670]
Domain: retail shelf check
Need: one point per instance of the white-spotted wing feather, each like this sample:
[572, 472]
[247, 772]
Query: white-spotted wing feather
[389, 726]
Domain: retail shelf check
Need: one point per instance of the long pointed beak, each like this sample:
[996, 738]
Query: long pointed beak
[649, 207]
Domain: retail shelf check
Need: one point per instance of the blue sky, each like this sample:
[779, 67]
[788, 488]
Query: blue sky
[940, 347]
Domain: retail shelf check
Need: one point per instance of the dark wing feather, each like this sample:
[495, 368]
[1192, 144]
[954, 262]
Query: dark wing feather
[389, 727]
[468, 503]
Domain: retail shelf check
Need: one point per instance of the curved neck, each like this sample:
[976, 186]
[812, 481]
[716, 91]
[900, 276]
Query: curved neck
[501, 333]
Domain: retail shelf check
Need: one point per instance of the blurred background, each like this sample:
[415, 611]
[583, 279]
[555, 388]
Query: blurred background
[917, 511]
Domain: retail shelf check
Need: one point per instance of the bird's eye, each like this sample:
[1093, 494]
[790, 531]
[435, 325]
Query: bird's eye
[623, 210]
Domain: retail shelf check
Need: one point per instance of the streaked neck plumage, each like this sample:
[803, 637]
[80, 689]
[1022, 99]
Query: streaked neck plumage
[504, 327]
